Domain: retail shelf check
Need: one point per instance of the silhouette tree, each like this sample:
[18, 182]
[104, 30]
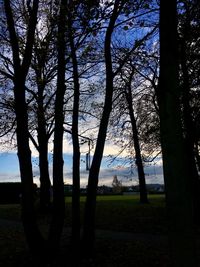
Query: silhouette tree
[39, 91]
[21, 67]
[179, 191]
[43, 72]
[116, 184]
[76, 148]
[90, 206]
[138, 156]
[58, 184]
[187, 84]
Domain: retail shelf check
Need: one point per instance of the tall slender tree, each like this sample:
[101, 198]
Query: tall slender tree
[138, 156]
[90, 206]
[44, 66]
[56, 226]
[21, 68]
[38, 86]
[76, 147]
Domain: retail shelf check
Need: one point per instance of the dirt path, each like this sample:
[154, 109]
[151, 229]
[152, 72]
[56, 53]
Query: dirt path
[100, 234]
[113, 248]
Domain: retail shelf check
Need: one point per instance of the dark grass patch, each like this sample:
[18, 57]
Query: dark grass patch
[10, 211]
[130, 253]
[114, 213]
[126, 216]
[125, 213]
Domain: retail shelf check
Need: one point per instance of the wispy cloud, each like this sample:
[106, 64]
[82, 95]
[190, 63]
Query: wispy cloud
[9, 170]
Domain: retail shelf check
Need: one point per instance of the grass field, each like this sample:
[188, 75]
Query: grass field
[125, 213]
[137, 225]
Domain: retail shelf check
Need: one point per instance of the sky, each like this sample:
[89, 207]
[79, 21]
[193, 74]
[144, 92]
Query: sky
[9, 170]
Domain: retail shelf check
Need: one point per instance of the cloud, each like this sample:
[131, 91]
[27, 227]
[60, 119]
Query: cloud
[9, 170]
[128, 176]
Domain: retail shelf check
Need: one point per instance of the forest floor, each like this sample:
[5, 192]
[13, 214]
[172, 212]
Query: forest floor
[128, 234]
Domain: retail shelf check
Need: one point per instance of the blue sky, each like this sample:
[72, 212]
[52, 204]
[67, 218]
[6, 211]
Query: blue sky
[9, 167]
[9, 170]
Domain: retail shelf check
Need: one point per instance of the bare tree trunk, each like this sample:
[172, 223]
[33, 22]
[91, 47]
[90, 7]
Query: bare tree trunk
[138, 157]
[34, 238]
[45, 183]
[33, 235]
[58, 184]
[76, 152]
[90, 206]
[189, 129]
[179, 189]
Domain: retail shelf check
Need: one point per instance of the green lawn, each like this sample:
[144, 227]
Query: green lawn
[125, 213]
[119, 213]
[154, 198]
